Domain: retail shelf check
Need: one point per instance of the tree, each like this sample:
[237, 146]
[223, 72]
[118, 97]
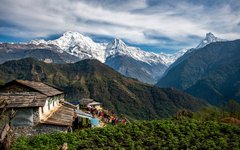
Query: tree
[234, 108]
[183, 113]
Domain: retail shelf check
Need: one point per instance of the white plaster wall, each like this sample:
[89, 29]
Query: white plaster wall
[40, 112]
[51, 104]
[46, 109]
[57, 102]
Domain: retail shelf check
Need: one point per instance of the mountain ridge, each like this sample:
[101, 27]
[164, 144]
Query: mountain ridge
[92, 79]
[211, 72]
[71, 39]
[145, 66]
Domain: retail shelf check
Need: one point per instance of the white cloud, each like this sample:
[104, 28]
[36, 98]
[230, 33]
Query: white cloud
[129, 20]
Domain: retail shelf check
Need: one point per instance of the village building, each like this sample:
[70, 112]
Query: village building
[39, 107]
[90, 103]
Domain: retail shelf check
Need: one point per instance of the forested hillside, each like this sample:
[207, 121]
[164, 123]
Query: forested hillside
[92, 79]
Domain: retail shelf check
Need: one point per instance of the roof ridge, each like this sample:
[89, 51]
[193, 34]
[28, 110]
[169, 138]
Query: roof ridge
[29, 84]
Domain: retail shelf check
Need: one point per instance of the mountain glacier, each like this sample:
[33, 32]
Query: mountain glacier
[78, 45]
[84, 47]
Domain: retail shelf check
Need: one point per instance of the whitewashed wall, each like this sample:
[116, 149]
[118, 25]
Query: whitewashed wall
[50, 103]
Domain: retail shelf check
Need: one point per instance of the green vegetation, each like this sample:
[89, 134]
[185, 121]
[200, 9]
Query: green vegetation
[233, 107]
[230, 110]
[92, 79]
[157, 134]
[211, 73]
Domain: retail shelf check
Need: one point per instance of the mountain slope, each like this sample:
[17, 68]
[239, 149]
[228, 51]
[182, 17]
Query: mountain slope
[211, 72]
[130, 67]
[130, 61]
[90, 78]
[83, 47]
[77, 45]
[49, 54]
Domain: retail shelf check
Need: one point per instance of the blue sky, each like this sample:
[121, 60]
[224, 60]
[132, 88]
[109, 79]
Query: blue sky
[153, 25]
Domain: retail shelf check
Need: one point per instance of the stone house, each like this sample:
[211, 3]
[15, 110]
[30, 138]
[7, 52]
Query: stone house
[39, 107]
[90, 103]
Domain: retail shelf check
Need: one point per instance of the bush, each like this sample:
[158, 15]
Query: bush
[157, 134]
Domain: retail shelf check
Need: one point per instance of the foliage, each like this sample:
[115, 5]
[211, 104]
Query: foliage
[210, 114]
[234, 108]
[231, 109]
[157, 134]
[211, 73]
[92, 79]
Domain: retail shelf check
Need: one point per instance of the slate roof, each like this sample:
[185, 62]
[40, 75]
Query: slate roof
[68, 104]
[83, 114]
[86, 101]
[63, 116]
[94, 103]
[38, 86]
[19, 100]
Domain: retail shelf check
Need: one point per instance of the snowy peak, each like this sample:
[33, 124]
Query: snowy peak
[71, 39]
[210, 38]
[78, 45]
[66, 39]
[84, 47]
[117, 47]
[72, 34]
[116, 44]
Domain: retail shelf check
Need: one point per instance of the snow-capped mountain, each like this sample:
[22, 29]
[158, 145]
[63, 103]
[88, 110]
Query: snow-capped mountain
[210, 38]
[185, 53]
[118, 47]
[84, 47]
[171, 58]
[78, 45]
[130, 61]
[42, 52]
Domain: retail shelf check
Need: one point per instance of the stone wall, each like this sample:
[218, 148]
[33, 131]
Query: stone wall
[23, 117]
[37, 129]
[26, 117]
[44, 128]
[36, 117]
